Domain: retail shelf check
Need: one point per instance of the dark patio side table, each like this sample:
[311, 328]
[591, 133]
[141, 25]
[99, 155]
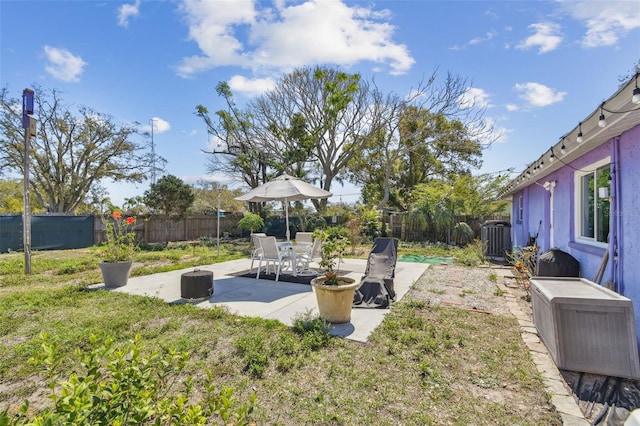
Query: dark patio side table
[196, 285]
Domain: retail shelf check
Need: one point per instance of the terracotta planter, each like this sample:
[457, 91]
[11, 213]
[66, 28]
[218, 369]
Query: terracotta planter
[335, 301]
[115, 274]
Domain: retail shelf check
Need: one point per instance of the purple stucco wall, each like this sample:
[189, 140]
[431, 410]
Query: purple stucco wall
[590, 257]
[537, 205]
[629, 217]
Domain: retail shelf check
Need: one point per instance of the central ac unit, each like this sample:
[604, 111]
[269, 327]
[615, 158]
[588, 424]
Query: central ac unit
[586, 327]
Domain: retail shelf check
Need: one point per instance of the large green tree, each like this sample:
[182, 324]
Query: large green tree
[170, 196]
[206, 198]
[434, 133]
[318, 117]
[74, 150]
[309, 125]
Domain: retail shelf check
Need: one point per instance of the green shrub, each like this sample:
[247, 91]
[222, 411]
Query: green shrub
[152, 246]
[114, 385]
[314, 221]
[254, 350]
[336, 232]
[370, 222]
[462, 233]
[313, 329]
[251, 222]
[208, 241]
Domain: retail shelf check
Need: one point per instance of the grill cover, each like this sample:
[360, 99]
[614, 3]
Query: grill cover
[376, 289]
[557, 263]
[196, 285]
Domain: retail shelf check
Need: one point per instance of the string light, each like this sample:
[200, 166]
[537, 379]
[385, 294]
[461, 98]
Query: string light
[636, 92]
[552, 158]
[579, 138]
[563, 150]
[601, 121]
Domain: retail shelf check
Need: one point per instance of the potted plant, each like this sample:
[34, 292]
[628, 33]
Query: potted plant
[334, 293]
[118, 250]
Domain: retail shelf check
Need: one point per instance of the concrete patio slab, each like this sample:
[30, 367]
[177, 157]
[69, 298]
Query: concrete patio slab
[267, 299]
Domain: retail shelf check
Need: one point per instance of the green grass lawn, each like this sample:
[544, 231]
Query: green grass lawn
[423, 366]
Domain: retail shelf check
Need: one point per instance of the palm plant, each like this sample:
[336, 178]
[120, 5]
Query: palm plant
[419, 216]
[462, 233]
[442, 219]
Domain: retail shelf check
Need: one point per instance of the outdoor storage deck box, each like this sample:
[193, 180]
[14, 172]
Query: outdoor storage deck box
[585, 326]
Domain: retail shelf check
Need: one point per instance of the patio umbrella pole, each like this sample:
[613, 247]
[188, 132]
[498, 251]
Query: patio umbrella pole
[286, 216]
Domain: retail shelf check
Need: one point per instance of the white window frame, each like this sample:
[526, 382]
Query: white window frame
[520, 208]
[577, 202]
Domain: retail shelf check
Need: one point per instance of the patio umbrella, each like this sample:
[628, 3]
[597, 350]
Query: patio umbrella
[284, 188]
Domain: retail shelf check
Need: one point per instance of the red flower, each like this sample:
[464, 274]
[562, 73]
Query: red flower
[120, 240]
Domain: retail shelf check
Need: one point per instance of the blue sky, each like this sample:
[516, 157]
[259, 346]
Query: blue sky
[539, 67]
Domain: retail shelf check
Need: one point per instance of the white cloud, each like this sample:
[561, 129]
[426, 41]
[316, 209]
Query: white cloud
[606, 22]
[290, 35]
[247, 87]
[159, 126]
[546, 37]
[474, 97]
[538, 95]
[488, 36]
[63, 65]
[127, 11]
[214, 143]
[512, 107]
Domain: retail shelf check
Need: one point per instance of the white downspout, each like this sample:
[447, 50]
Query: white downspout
[549, 186]
[616, 240]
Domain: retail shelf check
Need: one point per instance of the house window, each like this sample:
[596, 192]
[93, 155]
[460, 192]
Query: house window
[520, 208]
[593, 205]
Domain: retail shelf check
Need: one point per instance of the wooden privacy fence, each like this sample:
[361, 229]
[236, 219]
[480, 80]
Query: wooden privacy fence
[159, 229]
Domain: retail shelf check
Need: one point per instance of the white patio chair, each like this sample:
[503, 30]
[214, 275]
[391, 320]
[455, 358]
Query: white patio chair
[257, 250]
[304, 237]
[313, 254]
[272, 255]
